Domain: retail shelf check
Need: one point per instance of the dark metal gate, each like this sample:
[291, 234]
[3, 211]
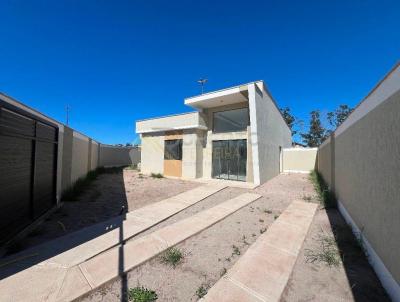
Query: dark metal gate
[28, 168]
[229, 159]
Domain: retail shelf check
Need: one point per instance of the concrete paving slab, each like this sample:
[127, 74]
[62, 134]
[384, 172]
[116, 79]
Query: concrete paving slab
[74, 284]
[262, 273]
[226, 287]
[41, 283]
[112, 263]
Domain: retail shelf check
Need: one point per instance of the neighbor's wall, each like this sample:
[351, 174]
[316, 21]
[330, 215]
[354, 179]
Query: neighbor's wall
[152, 152]
[135, 155]
[269, 131]
[115, 156]
[80, 154]
[77, 153]
[361, 163]
[301, 160]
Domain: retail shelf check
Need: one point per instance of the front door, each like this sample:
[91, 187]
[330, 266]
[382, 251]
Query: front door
[173, 155]
[229, 158]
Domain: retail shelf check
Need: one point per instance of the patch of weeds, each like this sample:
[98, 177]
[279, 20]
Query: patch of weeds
[236, 250]
[326, 197]
[261, 220]
[327, 253]
[201, 291]
[307, 198]
[267, 211]
[263, 230]
[141, 175]
[157, 175]
[74, 191]
[172, 256]
[142, 294]
[223, 271]
[244, 240]
[228, 259]
[131, 167]
[276, 216]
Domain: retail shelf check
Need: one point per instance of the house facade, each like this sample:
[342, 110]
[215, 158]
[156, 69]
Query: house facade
[236, 134]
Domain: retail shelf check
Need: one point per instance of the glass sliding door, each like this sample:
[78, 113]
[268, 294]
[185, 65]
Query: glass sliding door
[229, 158]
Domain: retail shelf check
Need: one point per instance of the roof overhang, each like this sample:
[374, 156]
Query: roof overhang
[223, 97]
[191, 120]
[164, 129]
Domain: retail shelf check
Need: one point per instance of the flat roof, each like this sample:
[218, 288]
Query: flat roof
[221, 90]
[226, 96]
[164, 116]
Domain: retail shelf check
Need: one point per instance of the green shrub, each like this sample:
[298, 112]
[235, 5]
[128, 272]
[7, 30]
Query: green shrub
[157, 175]
[142, 294]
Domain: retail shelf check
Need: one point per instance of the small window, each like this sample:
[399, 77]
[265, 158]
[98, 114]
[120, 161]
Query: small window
[231, 120]
[173, 149]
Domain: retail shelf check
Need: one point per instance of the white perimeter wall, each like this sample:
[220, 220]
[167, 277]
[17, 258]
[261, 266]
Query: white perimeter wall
[299, 160]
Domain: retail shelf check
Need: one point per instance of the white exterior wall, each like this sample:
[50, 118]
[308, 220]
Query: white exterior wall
[269, 132]
[152, 153]
[189, 154]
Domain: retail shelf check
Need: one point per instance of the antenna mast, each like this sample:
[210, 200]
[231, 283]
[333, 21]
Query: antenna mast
[202, 81]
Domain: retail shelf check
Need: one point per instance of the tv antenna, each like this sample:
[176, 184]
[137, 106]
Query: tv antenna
[202, 81]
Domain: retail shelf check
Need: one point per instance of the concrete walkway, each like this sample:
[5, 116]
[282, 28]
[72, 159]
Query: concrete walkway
[63, 279]
[262, 273]
[95, 239]
[36, 270]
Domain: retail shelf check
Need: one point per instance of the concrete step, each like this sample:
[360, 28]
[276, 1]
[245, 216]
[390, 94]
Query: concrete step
[262, 273]
[51, 281]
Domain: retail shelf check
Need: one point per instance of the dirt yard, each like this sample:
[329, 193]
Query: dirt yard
[104, 199]
[321, 275]
[209, 254]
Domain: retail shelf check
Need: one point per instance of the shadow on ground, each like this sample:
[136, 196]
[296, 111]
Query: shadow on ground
[75, 223]
[363, 281]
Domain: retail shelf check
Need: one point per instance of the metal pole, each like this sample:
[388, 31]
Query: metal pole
[202, 81]
[67, 109]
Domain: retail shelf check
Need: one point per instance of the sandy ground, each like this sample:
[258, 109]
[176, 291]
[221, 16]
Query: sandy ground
[216, 249]
[352, 280]
[103, 200]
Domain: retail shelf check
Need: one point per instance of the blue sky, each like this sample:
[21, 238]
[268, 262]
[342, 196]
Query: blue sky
[115, 62]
